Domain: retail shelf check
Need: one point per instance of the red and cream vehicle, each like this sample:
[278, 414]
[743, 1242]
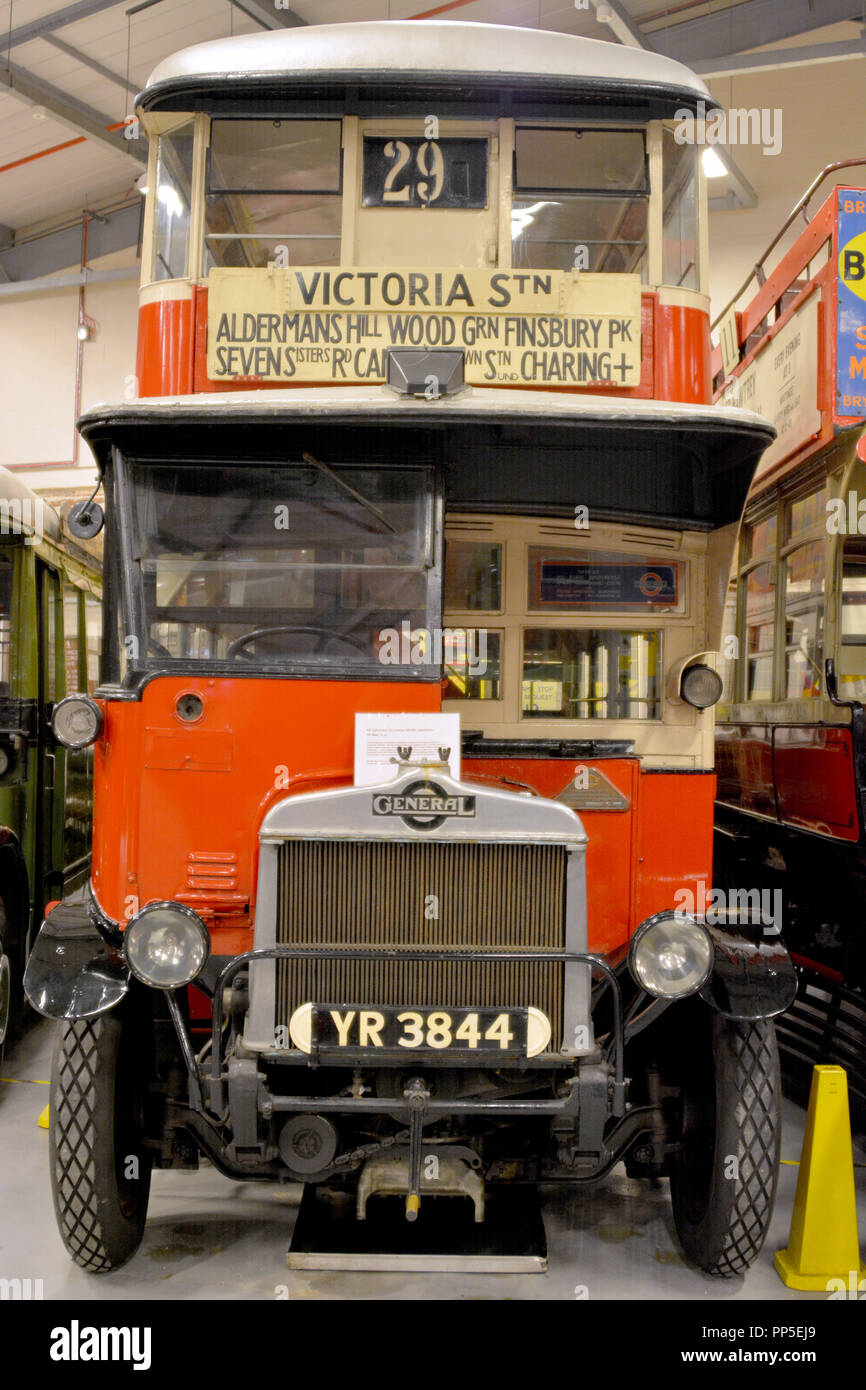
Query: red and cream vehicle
[425, 431]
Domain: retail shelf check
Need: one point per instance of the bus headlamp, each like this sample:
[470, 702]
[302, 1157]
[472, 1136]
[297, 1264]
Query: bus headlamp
[76, 721]
[670, 956]
[700, 686]
[166, 945]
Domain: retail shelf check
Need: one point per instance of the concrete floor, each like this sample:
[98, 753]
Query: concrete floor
[208, 1237]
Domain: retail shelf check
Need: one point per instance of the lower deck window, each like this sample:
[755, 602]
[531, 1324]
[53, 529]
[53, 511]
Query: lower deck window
[472, 663]
[590, 673]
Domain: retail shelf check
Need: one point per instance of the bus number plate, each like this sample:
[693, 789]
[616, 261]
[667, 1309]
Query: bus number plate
[416, 173]
[341, 1028]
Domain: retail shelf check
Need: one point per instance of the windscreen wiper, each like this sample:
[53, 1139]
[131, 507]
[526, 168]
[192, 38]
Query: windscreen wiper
[357, 496]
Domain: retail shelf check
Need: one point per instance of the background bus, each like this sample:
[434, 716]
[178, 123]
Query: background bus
[790, 748]
[50, 626]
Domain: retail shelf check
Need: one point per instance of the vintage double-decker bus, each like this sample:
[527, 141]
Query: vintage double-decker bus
[426, 431]
[791, 741]
[50, 620]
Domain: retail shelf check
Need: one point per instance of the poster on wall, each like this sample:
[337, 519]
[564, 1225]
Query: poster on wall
[851, 302]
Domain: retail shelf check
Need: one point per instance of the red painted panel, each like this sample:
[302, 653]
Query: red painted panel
[674, 840]
[610, 834]
[815, 785]
[281, 736]
[744, 767]
[683, 371]
[165, 348]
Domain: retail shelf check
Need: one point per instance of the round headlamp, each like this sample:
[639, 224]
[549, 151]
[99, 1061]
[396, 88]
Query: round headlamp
[701, 686]
[670, 956]
[166, 945]
[76, 721]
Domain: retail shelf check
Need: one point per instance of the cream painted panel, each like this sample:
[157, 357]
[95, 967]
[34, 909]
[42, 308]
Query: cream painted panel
[427, 236]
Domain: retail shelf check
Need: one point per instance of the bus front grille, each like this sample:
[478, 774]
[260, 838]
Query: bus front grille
[426, 896]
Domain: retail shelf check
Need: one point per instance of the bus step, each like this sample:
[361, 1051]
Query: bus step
[445, 1239]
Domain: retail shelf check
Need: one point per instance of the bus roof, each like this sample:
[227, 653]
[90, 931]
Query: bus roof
[437, 53]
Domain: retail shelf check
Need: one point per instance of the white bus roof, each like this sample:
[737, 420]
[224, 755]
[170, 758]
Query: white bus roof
[14, 490]
[445, 52]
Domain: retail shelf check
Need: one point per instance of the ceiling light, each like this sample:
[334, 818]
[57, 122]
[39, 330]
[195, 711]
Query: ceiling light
[713, 166]
[39, 113]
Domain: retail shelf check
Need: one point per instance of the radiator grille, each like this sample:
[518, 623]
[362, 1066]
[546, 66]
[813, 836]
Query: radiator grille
[369, 894]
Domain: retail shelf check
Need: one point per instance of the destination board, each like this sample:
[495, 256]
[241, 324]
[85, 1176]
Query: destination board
[310, 324]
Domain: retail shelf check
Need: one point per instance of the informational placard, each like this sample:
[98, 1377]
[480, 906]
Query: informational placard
[382, 741]
[311, 324]
[851, 302]
[600, 584]
[782, 384]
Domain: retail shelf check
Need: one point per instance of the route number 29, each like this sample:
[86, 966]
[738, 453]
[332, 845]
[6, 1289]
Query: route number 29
[429, 180]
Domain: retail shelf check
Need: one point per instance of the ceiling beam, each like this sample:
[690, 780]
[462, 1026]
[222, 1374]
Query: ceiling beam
[71, 112]
[89, 62]
[269, 14]
[60, 249]
[616, 18]
[38, 28]
[750, 24]
[732, 64]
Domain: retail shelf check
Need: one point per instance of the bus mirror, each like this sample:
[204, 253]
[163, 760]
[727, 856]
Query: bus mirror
[85, 520]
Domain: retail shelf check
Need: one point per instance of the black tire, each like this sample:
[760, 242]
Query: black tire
[98, 1087]
[6, 1006]
[12, 1002]
[730, 1111]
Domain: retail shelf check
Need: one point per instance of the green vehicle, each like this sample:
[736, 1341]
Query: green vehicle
[50, 634]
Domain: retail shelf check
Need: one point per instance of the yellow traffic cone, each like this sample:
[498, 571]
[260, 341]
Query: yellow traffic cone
[43, 1119]
[823, 1252]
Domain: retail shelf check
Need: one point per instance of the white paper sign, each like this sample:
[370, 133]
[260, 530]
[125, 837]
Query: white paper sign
[382, 738]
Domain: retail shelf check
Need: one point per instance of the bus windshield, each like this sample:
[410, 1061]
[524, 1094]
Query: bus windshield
[299, 566]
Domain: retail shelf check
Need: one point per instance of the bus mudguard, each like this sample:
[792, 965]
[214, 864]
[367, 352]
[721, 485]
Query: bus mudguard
[72, 971]
[753, 975]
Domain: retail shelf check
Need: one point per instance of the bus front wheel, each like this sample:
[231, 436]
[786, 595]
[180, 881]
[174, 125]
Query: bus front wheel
[724, 1175]
[100, 1169]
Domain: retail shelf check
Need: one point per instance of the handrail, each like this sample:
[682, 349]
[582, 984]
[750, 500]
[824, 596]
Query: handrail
[758, 270]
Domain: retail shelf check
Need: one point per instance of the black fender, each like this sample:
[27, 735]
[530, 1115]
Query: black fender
[73, 972]
[753, 975]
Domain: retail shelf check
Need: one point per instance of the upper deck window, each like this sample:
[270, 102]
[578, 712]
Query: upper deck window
[581, 199]
[173, 194]
[272, 183]
[680, 215]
